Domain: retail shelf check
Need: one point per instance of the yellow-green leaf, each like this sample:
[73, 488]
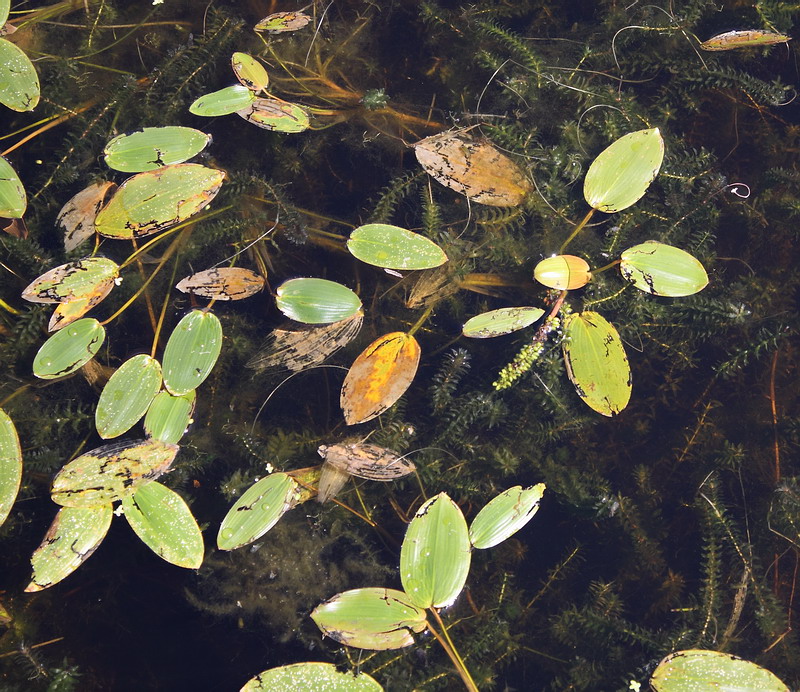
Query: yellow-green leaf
[504, 515]
[501, 321]
[127, 395]
[281, 22]
[392, 247]
[19, 83]
[279, 116]
[596, 362]
[69, 349]
[249, 72]
[10, 465]
[223, 102]
[310, 677]
[563, 272]
[749, 38]
[169, 416]
[663, 270]
[13, 200]
[154, 147]
[83, 278]
[192, 351]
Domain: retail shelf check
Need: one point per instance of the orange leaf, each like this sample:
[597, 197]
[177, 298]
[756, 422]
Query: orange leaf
[379, 376]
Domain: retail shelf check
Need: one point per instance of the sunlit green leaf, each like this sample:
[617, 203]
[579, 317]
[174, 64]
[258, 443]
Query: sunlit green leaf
[5, 8]
[373, 618]
[596, 362]
[563, 272]
[249, 71]
[13, 200]
[10, 465]
[154, 147]
[154, 200]
[504, 515]
[19, 83]
[67, 350]
[111, 472]
[311, 677]
[663, 270]
[392, 247]
[698, 669]
[164, 522]
[192, 351]
[79, 279]
[71, 539]
[501, 321]
[257, 511]
[436, 553]
[127, 395]
[623, 171]
[316, 301]
[169, 416]
[223, 102]
[279, 116]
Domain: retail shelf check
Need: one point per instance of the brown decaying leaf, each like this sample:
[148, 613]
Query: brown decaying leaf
[367, 461]
[304, 346]
[431, 286]
[223, 283]
[15, 227]
[281, 22]
[77, 216]
[475, 168]
[71, 310]
[379, 376]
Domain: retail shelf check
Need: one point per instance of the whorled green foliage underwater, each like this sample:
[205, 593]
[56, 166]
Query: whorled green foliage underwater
[670, 527]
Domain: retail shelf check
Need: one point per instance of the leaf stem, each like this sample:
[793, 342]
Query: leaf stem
[452, 652]
[576, 230]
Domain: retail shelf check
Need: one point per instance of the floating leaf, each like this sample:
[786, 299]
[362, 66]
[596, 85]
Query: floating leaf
[281, 22]
[71, 539]
[111, 472]
[663, 270]
[127, 395]
[564, 272]
[373, 618]
[499, 322]
[10, 465]
[750, 38]
[19, 83]
[13, 200]
[596, 362]
[249, 72]
[192, 351]
[5, 9]
[154, 200]
[504, 515]
[223, 283]
[393, 247]
[316, 301]
[623, 171]
[223, 102]
[698, 669]
[67, 313]
[279, 116]
[77, 216]
[310, 677]
[80, 279]
[305, 345]
[476, 169]
[154, 147]
[69, 349]
[164, 522]
[257, 511]
[379, 376]
[169, 416]
[436, 553]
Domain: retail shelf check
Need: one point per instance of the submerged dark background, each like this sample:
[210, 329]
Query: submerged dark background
[671, 526]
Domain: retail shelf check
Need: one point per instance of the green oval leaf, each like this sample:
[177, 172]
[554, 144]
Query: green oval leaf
[13, 200]
[71, 539]
[372, 618]
[223, 102]
[154, 147]
[257, 511]
[169, 416]
[663, 270]
[127, 395]
[623, 171]
[698, 669]
[154, 200]
[192, 351]
[19, 83]
[392, 247]
[596, 362]
[563, 272]
[83, 278]
[69, 349]
[278, 116]
[504, 515]
[249, 71]
[10, 465]
[435, 555]
[111, 472]
[316, 301]
[5, 8]
[311, 677]
[499, 322]
[164, 522]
